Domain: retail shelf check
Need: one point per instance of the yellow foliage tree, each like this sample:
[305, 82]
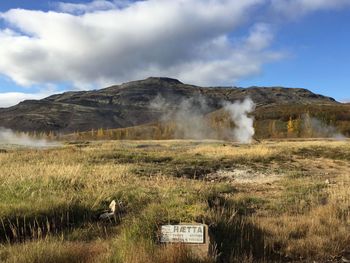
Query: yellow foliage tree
[273, 132]
[290, 127]
[100, 133]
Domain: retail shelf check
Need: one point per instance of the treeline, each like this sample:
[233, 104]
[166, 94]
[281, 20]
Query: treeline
[302, 126]
[48, 135]
[270, 122]
[220, 127]
[154, 131]
[303, 121]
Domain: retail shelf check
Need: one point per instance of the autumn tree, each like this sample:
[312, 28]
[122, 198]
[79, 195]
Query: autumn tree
[272, 128]
[290, 127]
[100, 133]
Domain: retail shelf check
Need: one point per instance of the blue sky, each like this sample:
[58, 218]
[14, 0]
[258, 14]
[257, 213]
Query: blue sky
[319, 55]
[49, 46]
[32, 4]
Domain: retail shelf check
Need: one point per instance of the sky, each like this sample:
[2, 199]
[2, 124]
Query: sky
[49, 47]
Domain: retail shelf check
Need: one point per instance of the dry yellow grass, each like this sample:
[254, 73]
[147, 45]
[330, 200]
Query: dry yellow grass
[54, 251]
[298, 216]
[320, 233]
[243, 151]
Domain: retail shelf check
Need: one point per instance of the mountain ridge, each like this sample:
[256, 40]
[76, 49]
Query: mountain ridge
[128, 104]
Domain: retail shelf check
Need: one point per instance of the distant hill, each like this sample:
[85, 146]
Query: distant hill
[128, 105]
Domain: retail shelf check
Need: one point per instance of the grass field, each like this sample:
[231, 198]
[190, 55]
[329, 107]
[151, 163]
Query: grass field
[276, 201]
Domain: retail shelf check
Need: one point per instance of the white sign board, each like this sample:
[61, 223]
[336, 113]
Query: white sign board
[193, 234]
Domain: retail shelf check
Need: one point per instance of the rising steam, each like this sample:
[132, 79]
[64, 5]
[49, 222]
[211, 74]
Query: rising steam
[189, 115]
[313, 127]
[8, 137]
[239, 113]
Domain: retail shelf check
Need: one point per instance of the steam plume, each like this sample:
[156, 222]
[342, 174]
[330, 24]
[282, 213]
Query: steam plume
[8, 137]
[189, 116]
[316, 128]
[244, 130]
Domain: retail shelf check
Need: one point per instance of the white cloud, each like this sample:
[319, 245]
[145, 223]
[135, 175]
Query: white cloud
[106, 42]
[188, 40]
[8, 99]
[232, 61]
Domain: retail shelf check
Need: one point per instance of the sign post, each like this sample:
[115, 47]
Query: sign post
[194, 236]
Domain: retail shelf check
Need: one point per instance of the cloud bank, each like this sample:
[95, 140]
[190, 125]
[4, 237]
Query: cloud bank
[8, 99]
[103, 44]
[98, 43]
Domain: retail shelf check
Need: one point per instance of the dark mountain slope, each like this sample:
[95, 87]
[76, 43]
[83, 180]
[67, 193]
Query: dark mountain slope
[129, 104]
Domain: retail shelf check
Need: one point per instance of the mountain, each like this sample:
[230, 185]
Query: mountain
[128, 105]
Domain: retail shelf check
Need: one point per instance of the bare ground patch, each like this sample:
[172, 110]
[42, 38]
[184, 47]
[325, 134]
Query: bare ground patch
[244, 175]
